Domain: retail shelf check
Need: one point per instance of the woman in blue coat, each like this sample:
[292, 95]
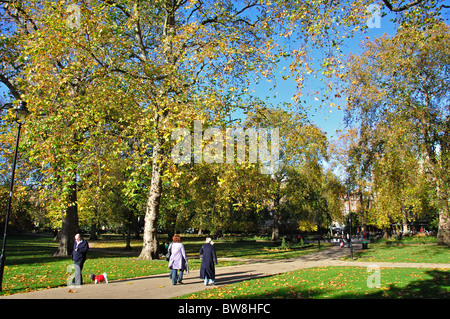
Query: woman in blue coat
[209, 259]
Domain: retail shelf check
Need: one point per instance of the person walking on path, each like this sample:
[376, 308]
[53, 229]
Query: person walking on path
[80, 250]
[178, 261]
[209, 259]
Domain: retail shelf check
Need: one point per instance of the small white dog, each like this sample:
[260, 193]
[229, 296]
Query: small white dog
[99, 278]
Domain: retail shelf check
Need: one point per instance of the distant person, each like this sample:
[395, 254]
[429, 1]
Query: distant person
[209, 259]
[168, 251]
[178, 261]
[342, 241]
[80, 250]
[166, 248]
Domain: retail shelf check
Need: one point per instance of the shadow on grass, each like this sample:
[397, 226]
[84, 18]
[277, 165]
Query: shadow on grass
[26, 250]
[436, 287]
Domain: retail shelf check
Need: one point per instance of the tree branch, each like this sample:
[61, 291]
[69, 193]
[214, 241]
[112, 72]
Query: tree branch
[114, 4]
[138, 33]
[10, 86]
[402, 8]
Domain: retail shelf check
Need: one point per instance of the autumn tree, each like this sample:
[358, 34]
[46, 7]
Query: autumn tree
[322, 29]
[71, 107]
[184, 57]
[406, 78]
[301, 145]
[139, 69]
[21, 22]
[400, 183]
[219, 196]
[357, 156]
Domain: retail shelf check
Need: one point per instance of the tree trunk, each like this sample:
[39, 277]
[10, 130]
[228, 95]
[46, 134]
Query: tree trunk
[69, 225]
[364, 210]
[439, 171]
[150, 241]
[443, 236]
[405, 230]
[93, 232]
[128, 239]
[276, 219]
[200, 230]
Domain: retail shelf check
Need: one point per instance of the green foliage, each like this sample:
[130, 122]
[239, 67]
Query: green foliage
[105, 97]
[398, 89]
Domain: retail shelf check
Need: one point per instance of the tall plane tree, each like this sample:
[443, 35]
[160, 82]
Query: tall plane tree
[186, 60]
[407, 78]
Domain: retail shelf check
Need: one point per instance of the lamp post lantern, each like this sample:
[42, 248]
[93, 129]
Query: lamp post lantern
[21, 113]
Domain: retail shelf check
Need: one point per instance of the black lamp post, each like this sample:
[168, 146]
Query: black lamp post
[21, 114]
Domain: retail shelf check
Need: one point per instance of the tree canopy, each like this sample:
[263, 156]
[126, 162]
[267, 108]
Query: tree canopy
[109, 82]
[399, 92]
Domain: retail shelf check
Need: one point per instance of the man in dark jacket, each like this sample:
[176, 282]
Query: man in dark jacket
[80, 249]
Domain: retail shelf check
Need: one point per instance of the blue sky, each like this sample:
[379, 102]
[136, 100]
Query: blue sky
[327, 118]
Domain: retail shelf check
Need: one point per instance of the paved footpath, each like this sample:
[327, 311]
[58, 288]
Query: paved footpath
[160, 286]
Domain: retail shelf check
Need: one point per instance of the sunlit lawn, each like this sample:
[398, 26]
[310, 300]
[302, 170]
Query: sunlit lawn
[338, 282]
[406, 253]
[31, 266]
[351, 282]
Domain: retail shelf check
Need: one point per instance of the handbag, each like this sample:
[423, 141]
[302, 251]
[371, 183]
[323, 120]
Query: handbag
[169, 252]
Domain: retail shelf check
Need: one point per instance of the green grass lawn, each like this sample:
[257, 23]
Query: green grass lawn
[405, 253]
[351, 282]
[337, 282]
[31, 266]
